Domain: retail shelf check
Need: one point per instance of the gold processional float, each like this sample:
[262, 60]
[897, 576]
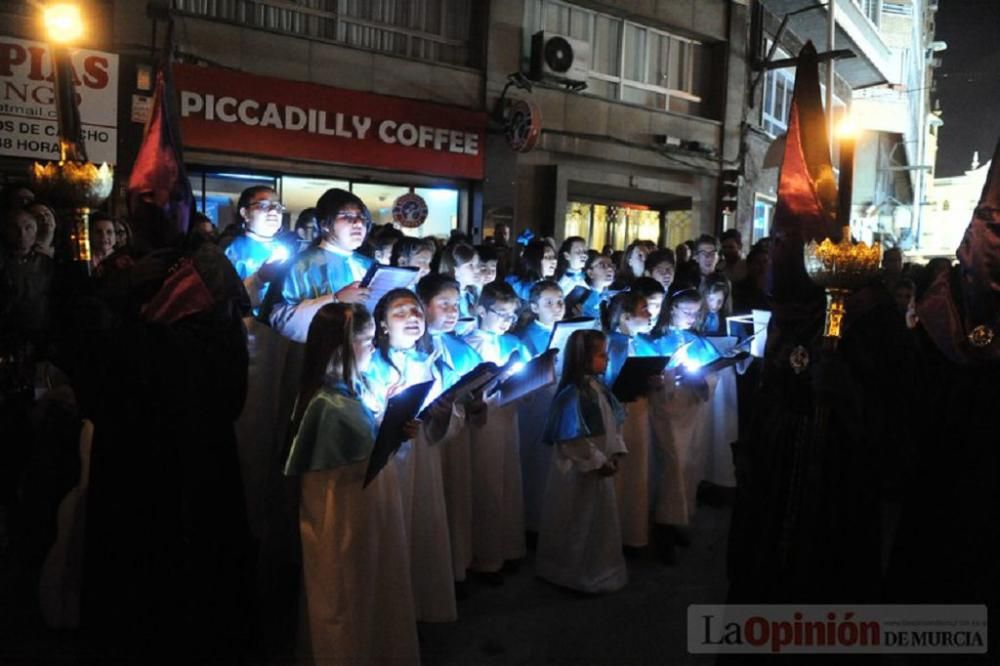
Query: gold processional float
[73, 184]
[843, 266]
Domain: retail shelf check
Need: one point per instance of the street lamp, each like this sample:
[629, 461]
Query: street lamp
[63, 23]
[74, 183]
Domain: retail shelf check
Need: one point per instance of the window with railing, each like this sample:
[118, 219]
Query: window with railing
[630, 62]
[435, 30]
[872, 9]
[897, 8]
[777, 102]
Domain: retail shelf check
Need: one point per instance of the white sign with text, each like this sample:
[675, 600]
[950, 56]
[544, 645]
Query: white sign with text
[28, 125]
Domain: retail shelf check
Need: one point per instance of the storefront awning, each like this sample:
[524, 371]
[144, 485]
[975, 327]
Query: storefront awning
[854, 31]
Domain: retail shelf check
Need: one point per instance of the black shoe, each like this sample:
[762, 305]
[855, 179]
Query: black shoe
[491, 578]
[666, 544]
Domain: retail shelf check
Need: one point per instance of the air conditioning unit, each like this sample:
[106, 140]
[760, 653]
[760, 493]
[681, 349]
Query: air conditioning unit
[559, 58]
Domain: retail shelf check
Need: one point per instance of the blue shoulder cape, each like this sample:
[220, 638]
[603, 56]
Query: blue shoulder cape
[318, 272]
[576, 413]
[534, 338]
[336, 430]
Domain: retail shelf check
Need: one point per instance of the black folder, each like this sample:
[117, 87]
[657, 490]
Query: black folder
[563, 329]
[633, 380]
[400, 410]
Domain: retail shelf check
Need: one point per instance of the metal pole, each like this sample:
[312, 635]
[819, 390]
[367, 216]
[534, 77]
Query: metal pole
[831, 36]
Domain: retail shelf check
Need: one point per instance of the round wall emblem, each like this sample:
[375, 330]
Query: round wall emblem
[523, 125]
[409, 210]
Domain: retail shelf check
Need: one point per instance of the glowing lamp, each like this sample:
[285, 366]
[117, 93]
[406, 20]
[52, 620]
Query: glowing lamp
[63, 23]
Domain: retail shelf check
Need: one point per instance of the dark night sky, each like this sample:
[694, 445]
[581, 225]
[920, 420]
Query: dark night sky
[968, 83]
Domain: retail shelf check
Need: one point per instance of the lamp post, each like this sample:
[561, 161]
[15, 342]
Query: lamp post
[73, 183]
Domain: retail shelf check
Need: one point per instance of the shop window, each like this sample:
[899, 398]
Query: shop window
[612, 224]
[763, 213]
[217, 193]
[297, 194]
[630, 62]
[442, 206]
[679, 227]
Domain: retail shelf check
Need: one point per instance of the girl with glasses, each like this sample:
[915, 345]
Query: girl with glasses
[256, 251]
[497, 500]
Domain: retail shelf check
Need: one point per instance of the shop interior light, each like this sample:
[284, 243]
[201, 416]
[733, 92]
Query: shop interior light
[63, 23]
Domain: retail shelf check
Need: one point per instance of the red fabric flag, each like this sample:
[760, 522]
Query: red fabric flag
[807, 192]
[159, 194]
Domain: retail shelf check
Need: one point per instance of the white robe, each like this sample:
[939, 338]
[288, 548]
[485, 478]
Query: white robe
[676, 419]
[536, 456]
[579, 543]
[425, 515]
[720, 428]
[273, 377]
[356, 575]
[633, 478]
[497, 492]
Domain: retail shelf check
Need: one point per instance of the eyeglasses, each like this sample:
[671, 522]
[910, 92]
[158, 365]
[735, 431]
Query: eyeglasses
[269, 206]
[351, 217]
[504, 316]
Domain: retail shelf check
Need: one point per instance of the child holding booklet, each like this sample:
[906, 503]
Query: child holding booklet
[628, 318]
[497, 500]
[404, 357]
[453, 360]
[355, 563]
[579, 543]
[545, 301]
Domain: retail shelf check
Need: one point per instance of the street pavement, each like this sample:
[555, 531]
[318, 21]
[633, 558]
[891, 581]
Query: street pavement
[527, 621]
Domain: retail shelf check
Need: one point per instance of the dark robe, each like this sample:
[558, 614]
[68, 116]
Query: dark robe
[947, 549]
[811, 471]
[166, 535]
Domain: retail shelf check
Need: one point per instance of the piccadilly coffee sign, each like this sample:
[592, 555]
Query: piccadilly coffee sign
[244, 113]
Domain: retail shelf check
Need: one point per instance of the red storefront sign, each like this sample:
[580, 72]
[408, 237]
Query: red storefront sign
[244, 113]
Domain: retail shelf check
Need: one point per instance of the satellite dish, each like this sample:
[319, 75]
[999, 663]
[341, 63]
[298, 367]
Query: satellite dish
[558, 54]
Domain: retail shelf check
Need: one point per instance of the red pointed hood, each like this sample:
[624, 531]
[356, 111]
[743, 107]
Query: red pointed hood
[807, 190]
[961, 309]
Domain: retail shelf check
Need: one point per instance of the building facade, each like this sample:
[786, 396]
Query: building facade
[658, 107]
[886, 88]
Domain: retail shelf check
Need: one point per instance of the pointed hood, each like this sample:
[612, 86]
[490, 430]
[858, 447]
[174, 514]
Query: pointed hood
[807, 192]
[160, 199]
[961, 309]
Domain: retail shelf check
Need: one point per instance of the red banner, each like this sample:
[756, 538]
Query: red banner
[236, 112]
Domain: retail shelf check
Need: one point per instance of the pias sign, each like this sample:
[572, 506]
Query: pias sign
[28, 124]
[409, 210]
